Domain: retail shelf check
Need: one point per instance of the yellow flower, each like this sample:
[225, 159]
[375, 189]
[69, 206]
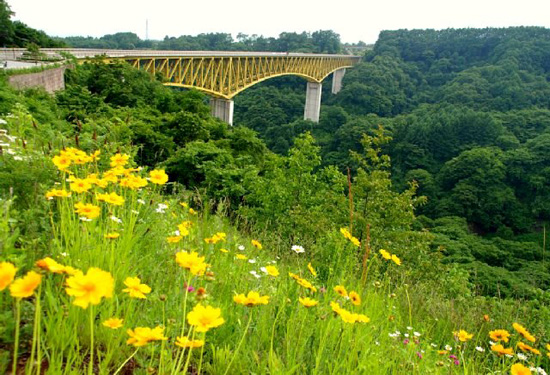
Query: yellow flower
[119, 160]
[312, 270]
[94, 180]
[335, 307]
[133, 182]
[355, 241]
[51, 265]
[7, 274]
[341, 290]
[462, 335]
[95, 155]
[62, 162]
[499, 335]
[112, 235]
[184, 342]
[25, 286]
[306, 284]
[526, 348]
[173, 239]
[519, 369]
[57, 193]
[192, 212]
[224, 250]
[345, 232]
[205, 317]
[271, 270]
[252, 299]
[256, 244]
[524, 332]
[184, 204]
[501, 350]
[386, 255]
[87, 210]
[158, 176]
[90, 288]
[308, 302]
[355, 298]
[135, 288]
[113, 323]
[192, 262]
[111, 198]
[79, 185]
[241, 257]
[395, 259]
[141, 336]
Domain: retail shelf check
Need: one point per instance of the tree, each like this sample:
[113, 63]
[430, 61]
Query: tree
[6, 26]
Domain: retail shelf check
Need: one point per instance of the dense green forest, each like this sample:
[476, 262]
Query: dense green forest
[468, 114]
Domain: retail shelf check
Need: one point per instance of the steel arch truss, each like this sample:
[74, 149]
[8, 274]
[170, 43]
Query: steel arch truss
[226, 76]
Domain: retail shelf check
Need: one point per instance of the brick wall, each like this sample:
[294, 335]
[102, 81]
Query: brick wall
[51, 80]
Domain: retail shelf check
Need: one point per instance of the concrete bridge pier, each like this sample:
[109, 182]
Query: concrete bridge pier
[337, 80]
[313, 101]
[222, 109]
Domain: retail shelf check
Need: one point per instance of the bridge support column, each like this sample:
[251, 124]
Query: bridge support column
[337, 80]
[222, 109]
[313, 101]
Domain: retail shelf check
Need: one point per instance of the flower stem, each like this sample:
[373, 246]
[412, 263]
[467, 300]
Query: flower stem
[125, 362]
[16, 343]
[240, 343]
[202, 352]
[91, 365]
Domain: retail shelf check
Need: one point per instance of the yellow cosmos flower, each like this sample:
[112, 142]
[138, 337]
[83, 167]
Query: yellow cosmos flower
[185, 342]
[252, 299]
[224, 250]
[119, 160]
[303, 282]
[135, 288]
[113, 323]
[24, 287]
[7, 274]
[111, 198]
[90, 288]
[312, 270]
[271, 270]
[174, 239]
[335, 307]
[308, 302]
[523, 332]
[184, 204]
[462, 335]
[112, 235]
[220, 236]
[355, 298]
[396, 259]
[204, 318]
[341, 290]
[349, 317]
[79, 185]
[133, 182]
[141, 336]
[385, 254]
[526, 348]
[241, 257]
[519, 369]
[345, 232]
[87, 210]
[501, 350]
[158, 176]
[192, 262]
[192, 212]
[256, 244]
[50, 265]
[355, 241]
[57, 193]
[62, 162]
[499, 335]
[94, 180]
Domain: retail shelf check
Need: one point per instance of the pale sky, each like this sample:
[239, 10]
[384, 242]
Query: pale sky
[354, 20]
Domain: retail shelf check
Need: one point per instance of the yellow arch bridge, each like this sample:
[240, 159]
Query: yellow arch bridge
[224, 74]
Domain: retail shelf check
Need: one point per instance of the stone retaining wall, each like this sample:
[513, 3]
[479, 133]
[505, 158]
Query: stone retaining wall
[51, 80]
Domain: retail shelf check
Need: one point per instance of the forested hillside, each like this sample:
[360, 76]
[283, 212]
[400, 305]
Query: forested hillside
[468, 112]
